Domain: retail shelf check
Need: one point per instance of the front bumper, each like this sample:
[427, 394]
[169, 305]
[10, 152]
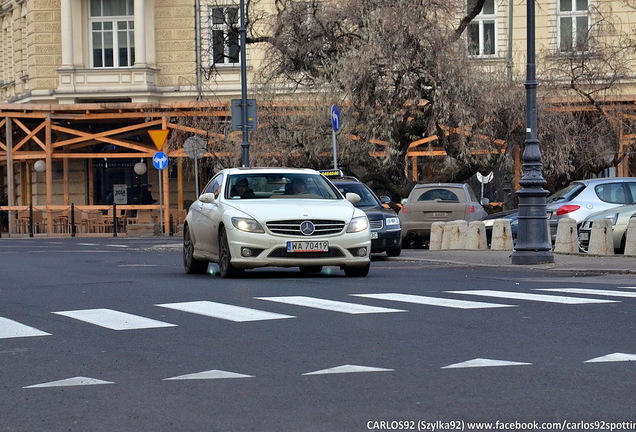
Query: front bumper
[249, 250]
[386, 240]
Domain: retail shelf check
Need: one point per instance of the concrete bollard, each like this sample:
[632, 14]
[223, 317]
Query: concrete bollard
[601, 241]
[567, 240]
[476, 239]
[630, 237]
[501, 235]
[455, 235]
[437, 233]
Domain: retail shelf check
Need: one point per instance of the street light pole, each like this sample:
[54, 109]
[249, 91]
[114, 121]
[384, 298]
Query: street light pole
[245, 145]
[534, 243]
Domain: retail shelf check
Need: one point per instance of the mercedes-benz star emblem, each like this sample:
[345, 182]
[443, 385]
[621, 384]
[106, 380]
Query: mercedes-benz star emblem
[307, 228]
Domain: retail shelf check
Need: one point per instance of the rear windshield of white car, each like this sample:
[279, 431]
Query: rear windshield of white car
[283, 185]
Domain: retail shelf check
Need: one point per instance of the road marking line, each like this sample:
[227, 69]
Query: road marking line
[616, 357]
[479, 362]
[13, 329]
[77, 381]
[610, 293]
[224, 311]
[207, 375]
[348, 369]
[114, 320]
[533, 297]
[331, 305]
[433, 301]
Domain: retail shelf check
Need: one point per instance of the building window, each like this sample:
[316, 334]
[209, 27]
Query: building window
[481, 31]
[112, 33]
[225, 36]
[573, 25]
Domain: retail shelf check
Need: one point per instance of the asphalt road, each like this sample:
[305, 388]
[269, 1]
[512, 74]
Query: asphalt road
[109, 334]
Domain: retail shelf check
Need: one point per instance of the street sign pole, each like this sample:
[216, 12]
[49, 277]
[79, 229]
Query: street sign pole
[160, 161]
[335, 126]
[245, 145]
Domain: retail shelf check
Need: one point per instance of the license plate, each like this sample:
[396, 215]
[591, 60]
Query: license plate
[307, 246]
[584, 236]
[374, 234]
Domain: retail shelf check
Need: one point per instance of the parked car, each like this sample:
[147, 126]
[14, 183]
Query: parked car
[582, 198]
[619, 216]
[284, 217]
[436, 202]
[386, 232]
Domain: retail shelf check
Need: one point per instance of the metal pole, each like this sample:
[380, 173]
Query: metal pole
[245, 145]
[115, 220]
[335, 156]
[509, 63]
[534, 243]
[160, 172]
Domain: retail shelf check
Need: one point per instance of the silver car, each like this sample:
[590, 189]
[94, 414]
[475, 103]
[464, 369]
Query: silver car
[436, 202]
[582, 198]
[619, 217]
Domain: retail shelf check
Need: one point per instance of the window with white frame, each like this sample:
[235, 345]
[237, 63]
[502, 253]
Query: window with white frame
[481, 32]
[573, 25]
[112, 33]
[225, 46]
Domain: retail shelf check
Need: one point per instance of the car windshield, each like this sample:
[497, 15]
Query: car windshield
[566, 194]
[367, 197]
[279, 185]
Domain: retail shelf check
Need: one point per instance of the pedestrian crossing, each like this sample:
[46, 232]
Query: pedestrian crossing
[125, 321]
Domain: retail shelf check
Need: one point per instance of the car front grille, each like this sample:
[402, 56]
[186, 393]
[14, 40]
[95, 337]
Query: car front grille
[292, 227]
[376, 224]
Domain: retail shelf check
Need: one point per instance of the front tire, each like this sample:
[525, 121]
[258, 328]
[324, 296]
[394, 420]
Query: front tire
[190, 263]
[226, 269]
[394, 252]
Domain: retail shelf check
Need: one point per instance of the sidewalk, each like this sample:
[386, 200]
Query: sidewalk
[618, 264]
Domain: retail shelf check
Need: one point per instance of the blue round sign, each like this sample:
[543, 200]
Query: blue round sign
[335, 118]
[160, 160]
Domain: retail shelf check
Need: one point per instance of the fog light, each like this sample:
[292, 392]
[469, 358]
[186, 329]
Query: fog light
[362, 252]
[246, 252]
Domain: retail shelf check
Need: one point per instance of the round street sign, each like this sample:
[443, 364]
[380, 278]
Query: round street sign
[160, 160]
[335, 118]
[194, 147]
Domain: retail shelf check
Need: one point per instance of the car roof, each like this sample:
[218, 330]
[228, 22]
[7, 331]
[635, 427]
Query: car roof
[454, 185]
[604, 180]
[266, 170]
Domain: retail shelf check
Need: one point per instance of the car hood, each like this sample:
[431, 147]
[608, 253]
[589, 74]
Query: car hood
[605, 213]
[376, 213]
[289, 209]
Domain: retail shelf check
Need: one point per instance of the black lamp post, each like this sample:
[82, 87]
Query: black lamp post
[245, 144]
[534, 243]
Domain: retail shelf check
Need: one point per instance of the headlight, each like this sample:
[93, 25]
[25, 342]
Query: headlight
[247, 225]
[613, 218]
[391, 221]
[358, 224]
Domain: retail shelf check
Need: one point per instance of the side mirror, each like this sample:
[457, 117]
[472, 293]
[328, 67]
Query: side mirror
[485, 201]
[207, 198]
[385, 199]
[353, 197]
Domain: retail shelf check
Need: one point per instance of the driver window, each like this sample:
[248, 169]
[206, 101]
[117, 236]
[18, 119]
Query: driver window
[214, 186]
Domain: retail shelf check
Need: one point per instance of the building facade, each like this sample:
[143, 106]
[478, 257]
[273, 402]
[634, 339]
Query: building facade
[82, 82]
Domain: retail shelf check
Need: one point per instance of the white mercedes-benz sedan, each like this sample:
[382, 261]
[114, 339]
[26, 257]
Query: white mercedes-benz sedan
[282, 217]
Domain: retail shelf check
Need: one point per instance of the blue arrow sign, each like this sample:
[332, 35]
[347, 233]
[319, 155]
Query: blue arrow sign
[160, 160]
[335, 118]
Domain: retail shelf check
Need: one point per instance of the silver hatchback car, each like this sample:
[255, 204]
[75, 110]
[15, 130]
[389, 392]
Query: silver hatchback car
[581, 198]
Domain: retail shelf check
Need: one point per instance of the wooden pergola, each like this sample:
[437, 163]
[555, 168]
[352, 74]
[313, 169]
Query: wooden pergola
[65, 132]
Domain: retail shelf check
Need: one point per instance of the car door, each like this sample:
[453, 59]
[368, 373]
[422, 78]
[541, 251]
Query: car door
[206, 217]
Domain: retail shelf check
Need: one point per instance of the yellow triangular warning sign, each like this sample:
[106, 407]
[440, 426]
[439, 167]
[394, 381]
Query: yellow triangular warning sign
[159, 137]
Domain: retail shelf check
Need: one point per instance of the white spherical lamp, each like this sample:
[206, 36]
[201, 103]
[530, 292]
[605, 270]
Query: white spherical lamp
[39, 166]
[140, 168]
